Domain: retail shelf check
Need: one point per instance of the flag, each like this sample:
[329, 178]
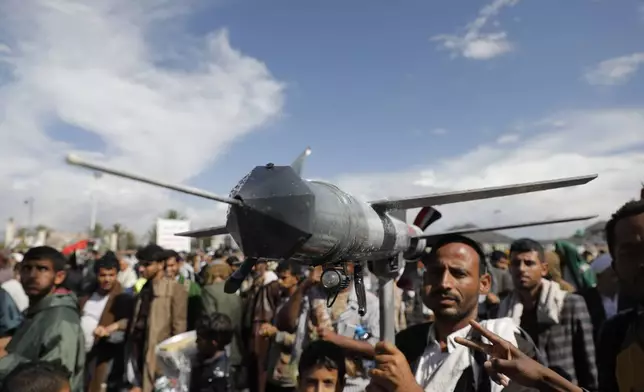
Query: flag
[426, 216]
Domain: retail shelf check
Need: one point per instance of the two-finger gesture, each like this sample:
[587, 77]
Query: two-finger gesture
[506, 362]
[392, 372]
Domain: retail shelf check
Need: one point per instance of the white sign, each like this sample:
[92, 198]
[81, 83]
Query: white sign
[166, 230]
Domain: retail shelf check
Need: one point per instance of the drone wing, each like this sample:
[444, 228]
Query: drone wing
[506, 227]
[202, 233]
[478, 194]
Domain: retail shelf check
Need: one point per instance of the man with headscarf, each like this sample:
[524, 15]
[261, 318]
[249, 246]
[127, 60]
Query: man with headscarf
[557, 321]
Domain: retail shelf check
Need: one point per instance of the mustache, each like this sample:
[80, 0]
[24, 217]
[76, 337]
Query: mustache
[442, 294]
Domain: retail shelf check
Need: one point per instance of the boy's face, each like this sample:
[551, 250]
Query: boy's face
[206, 346]
[320, 379]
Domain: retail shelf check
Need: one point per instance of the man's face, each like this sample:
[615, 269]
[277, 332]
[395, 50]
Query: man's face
[502, 263]
[607, 282]
[451, 282]
[287, 281]
[319, 379]
[527, 270]
[260, 268]
[39, 278]
[150, 269]
[206, 347]
[106, 278]
[171, 268]
[629, 255]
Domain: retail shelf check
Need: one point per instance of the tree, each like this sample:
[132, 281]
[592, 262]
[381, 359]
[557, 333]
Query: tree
[99, 231]
[130, 240]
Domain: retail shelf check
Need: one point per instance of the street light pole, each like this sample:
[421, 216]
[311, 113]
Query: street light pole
[94, 201]
[30, 206]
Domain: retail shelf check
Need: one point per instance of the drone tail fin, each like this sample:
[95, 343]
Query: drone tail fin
[298, 163]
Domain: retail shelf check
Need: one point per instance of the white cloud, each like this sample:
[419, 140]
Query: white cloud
[508, 139]
[607, 142]
[615, 71]
[439, 131]
[476, 44]
[95, 66]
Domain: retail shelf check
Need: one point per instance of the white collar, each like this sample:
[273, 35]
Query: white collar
[451, 344]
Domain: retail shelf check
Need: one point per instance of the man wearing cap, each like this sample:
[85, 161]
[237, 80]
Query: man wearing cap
[454, 278]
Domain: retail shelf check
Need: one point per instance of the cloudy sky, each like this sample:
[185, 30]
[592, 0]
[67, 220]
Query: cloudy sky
[394, 100]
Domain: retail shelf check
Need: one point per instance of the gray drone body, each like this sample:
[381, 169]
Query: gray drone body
[312, 222]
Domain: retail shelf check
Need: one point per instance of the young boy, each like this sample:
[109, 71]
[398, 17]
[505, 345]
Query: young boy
[38, 376]
[212, 370]
[322, 368]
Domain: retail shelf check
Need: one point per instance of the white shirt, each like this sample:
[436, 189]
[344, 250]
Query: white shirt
[92, 312]
[17, 294]
[610, 306]
[433, 357]
[127, 278]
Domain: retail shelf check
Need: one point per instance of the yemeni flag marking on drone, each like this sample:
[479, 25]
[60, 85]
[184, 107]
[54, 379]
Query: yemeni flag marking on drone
[426, 216]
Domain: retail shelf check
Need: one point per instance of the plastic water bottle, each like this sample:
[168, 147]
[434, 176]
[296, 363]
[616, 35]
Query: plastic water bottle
[361, 333]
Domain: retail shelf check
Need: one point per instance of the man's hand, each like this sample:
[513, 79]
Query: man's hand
[101, 332]
[327, 334]
[492, 299]
[267, 330]
[507, 362]
[392, 372]
[3, 352]
[314, 277]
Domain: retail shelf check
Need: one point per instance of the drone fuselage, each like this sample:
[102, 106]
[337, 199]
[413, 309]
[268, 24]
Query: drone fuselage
[312, 222]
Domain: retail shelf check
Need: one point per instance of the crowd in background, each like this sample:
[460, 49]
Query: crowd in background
[92, 321]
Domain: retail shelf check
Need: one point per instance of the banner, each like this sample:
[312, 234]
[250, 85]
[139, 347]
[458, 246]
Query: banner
[166, 230]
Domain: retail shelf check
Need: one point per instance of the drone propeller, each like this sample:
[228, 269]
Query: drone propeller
[506, 227]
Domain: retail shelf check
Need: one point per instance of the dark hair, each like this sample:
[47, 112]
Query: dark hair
[321, 353]
[231, 260]
[108, 261]
[632, 208]
[38, 376]
[46, 253]
[167, 254]
[524, 245]
[456, 238]
[150, 252]
[217, 327]
[291, 266]
[497, 255]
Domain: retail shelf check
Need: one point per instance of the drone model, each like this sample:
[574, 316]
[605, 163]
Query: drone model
[275, 214]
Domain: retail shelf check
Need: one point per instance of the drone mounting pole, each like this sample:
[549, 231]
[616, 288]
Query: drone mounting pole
[387, 271]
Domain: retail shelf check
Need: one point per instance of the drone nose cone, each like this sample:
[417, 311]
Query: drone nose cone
[276, 217]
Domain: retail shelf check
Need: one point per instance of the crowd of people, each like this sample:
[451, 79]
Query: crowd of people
[528, 319]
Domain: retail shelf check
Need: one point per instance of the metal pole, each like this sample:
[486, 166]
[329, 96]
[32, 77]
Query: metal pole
[387, 271]
[31, 213]
[387, 310]
[94, 201]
